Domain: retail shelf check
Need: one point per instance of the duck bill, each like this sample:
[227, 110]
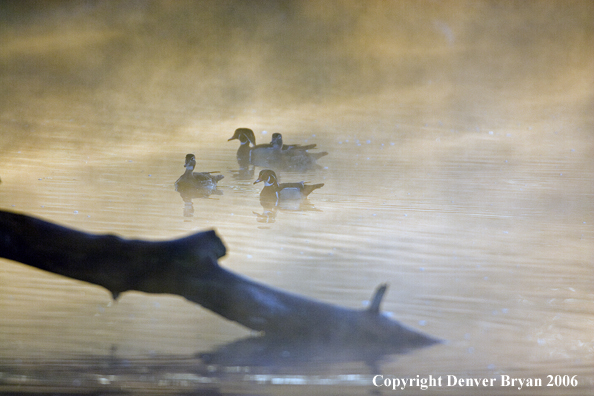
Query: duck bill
[258, 180]
[233, 138]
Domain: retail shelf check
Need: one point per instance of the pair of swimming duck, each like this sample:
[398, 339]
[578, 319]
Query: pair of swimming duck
[274, 154]
[273, 191]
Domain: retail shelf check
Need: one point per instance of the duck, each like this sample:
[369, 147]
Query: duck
[196, 180]
[274, 193]
[277, 143]
[295, 158]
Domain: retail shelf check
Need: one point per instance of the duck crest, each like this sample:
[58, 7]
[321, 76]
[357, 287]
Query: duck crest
[244, 135]
[190, 163]
[277, 141]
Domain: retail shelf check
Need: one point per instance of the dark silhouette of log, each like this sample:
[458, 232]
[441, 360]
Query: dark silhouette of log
[188, 267]
[115, 263]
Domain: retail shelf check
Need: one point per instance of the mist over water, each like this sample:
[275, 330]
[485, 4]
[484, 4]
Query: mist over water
[414, 59]
[460, 169]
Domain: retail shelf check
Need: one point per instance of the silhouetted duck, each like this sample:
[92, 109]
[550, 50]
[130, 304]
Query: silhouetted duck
[293, 157]
[196, 180]
[274, 153]
[275, 192]
[277, 142]
[297, 158]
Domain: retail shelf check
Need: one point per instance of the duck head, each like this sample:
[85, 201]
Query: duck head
[244, 135]
[277, 140]
[268, 177]
[190, 162]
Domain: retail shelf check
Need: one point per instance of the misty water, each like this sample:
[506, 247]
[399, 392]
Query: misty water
[460, 172]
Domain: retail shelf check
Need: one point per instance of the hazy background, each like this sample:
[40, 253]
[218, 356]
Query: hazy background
[460, 168]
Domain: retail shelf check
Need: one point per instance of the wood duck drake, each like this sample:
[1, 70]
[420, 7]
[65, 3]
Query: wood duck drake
[273, 192]
[196, 180]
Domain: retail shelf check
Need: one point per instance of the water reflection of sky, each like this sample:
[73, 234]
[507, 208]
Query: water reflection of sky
[460, 166]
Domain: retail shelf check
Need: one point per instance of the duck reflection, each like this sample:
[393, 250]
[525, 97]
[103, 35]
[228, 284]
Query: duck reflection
[246, 172]
[275, 154]
[192, 184]
[268, 215]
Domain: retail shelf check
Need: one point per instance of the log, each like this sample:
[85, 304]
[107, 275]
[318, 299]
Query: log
[188, 267]
[115, 263]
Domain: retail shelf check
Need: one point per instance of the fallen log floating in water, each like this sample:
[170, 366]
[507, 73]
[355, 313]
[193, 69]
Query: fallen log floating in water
[188, 267]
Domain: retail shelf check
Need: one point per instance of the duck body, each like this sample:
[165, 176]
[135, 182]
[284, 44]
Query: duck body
[274, 154]
[275, 192]
[196, 180]
[299, 160]
[277, 143]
